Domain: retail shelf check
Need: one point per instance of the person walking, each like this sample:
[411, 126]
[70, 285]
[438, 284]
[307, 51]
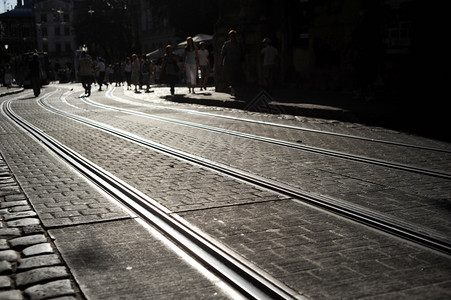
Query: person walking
[101, 78]
[85, 72]
[35, 74]
[269, 56]
[169, 68]
[136, 70]
[117, 74]
[231, 57]
[128, 72]
[109, 72]
[8, 76]
[145, 72]
[190, 64]
[204, 66]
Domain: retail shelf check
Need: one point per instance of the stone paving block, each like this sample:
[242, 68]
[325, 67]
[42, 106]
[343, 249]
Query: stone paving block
[38, 275]
[66, 214]
[23, 222]
[19, 215]
[16, 197]
[9, 190]
[12, 295]
[5, 267]
[10, 232]
[13, 203]
[50, 290]
[45, 248]
[4, 244]
[20, 208]
[38, 261]
[28, 240]
[33, 229]
[5, 282]
[9, 255]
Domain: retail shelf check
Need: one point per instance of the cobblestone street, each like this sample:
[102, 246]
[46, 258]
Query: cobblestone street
[64, 235]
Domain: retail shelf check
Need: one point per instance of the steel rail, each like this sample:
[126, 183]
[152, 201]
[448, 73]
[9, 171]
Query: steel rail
[316, 150]
[247, 279]
[354, 212]
[110, 94]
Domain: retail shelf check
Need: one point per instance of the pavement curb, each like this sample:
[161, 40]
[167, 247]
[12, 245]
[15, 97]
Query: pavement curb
[11, 91]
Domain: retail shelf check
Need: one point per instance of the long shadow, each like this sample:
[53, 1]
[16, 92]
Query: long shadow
[387, 111]
[28, 98]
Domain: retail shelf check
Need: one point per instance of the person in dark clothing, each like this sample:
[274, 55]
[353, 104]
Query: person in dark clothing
[35, 74]
[101, 78]
[231, 57]
[85, 72]
[170, 68]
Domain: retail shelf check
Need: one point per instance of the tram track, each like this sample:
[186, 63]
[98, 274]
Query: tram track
[279, 142]
[350, 211]
[243, 276]
[110, 94]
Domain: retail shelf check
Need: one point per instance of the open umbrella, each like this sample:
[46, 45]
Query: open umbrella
[197, 39]
[156, 53]
[159, 53]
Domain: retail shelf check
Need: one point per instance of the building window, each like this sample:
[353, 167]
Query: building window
[57, 31]
[43, 18]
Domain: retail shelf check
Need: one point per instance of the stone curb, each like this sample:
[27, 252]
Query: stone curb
[30, 267]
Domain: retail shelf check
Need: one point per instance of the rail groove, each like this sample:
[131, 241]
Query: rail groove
[316, 150]
[351, 211]
[249, 280]
[110, 94]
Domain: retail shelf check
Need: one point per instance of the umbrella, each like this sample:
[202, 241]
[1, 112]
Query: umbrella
[156, 53]
[159, 53]
[197, 39]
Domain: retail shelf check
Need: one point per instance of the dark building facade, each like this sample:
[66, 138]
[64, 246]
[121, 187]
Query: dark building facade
[318, 41]
[19, 30]
[43, 26]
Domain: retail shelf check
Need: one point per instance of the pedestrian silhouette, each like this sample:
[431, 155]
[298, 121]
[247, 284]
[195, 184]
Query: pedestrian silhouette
[231, 58]
[190, 64]
[170, 69]
[204, 66]
[35, 74]
[85, 72]
[269, 57]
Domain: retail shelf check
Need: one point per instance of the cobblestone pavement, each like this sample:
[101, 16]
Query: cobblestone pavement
[104, 249]
[343, 179]
[30, 264]
[97, 246]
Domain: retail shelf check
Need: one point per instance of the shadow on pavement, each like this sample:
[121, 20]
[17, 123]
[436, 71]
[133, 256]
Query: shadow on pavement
[389, 111]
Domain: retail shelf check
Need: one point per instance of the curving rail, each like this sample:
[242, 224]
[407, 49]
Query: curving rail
[317, 150]
[351, 211]
[110, 94]
[246, 278]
